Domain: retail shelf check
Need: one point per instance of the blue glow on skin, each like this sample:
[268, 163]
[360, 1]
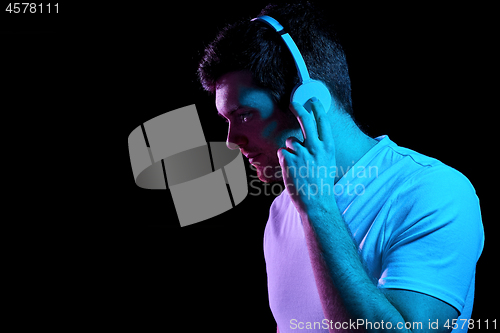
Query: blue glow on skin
[269, 129]
[258, 99]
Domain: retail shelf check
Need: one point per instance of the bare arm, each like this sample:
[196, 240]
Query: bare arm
[343, 283]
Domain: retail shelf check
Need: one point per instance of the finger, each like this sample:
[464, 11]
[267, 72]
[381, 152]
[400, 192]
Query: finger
[285, 152]
[306, 122]
[293, 144]
[322, 122]
[284, 155]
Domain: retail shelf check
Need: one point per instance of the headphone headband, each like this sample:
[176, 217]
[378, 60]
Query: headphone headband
[303, 92]
[297, 57]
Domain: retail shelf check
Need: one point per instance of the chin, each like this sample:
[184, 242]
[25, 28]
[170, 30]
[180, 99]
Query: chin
[269, 174]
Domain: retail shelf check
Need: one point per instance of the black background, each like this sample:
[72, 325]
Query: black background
[95, 246]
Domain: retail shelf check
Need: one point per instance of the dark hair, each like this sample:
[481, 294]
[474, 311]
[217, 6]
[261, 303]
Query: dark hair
[256, 47]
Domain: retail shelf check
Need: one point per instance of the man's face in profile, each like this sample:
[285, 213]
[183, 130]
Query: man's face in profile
[256, 125]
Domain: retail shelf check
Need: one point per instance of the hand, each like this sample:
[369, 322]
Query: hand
[309, 167]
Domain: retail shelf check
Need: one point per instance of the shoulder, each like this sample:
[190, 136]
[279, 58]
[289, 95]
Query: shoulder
[438, 186]
[428, 194]
[424, 179]
[438, 204]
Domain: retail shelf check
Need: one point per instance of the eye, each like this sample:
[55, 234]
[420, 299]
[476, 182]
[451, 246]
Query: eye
[245, 117]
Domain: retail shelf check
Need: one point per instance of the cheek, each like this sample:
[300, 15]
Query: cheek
[276, 130]
[290, 127]
[268, 131]
[289, 133]
[280, 123]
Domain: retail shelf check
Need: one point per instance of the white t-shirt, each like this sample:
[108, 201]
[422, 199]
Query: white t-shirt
[416, 220]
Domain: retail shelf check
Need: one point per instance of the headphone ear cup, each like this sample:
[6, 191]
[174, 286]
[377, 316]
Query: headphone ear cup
[304, 92]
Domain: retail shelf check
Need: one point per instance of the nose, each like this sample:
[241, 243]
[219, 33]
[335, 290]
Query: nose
[231, 145]
[235, 140]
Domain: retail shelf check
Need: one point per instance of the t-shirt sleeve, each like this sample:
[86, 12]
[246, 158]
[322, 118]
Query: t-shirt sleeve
[434, 236]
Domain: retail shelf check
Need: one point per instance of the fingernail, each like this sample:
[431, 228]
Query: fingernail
[314, 99]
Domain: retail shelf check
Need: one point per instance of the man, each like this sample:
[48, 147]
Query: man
[368, 235]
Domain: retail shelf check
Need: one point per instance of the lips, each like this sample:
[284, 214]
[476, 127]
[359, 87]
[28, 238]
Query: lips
[252, 157]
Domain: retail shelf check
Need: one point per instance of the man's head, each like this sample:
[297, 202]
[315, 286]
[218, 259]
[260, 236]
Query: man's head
[256, 125]
[249, 68]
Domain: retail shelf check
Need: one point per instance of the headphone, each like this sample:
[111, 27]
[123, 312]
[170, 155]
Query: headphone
[307, 87]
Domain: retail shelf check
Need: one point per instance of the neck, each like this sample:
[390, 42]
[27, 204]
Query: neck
[350, 142]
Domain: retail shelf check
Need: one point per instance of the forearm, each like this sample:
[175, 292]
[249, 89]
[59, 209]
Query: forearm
[341, 278]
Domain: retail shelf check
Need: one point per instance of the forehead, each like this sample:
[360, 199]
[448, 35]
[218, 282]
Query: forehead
[236, 89]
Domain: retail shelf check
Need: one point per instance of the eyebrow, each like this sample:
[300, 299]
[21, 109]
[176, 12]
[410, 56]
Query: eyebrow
[232, 111]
